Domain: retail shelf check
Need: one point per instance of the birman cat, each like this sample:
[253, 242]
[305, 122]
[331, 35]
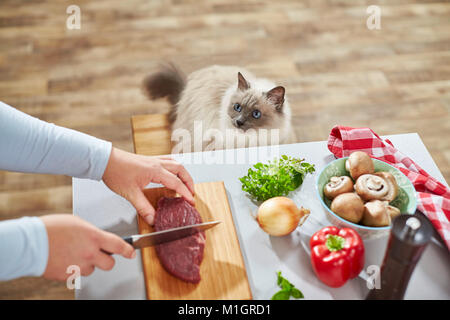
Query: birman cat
[227, 102]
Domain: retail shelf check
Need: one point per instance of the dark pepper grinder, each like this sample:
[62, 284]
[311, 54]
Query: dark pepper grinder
[409, 236]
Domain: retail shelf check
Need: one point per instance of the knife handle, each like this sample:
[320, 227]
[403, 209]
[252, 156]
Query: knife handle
[126, 239]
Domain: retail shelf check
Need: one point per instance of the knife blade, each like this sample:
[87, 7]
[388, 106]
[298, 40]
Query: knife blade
[154, 238]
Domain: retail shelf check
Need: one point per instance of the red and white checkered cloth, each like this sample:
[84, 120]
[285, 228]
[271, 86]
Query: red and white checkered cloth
[433, 198]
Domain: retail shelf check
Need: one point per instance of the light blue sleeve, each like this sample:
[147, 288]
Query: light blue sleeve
[28, 144]
[23, 248]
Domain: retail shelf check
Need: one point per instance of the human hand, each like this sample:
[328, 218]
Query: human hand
[73, 241]
[127, 174]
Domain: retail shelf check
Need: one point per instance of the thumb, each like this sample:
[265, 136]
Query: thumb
[143, 206]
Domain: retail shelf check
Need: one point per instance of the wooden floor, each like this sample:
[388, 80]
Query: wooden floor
[335, 70]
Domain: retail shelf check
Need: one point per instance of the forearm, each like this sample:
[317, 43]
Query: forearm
[23, 248]
[28, 144]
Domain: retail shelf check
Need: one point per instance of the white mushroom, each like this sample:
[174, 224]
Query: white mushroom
[337, 186]
[371, 187]
[348, 206]
[392, 185]
[392, 211]
[359, 163]
[377, 186]
[376, 214]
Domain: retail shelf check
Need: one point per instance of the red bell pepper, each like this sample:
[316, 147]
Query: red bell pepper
[336, 255]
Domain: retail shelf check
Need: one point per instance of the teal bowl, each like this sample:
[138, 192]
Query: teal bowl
[406, 200]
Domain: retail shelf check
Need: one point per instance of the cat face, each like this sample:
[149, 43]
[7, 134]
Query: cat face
[250, 109]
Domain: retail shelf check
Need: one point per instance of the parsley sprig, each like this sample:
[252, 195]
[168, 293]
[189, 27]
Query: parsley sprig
[277, 178]
[287, 289]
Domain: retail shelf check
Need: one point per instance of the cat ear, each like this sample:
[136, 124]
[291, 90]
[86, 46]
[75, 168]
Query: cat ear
[276, 96]
[242, 83]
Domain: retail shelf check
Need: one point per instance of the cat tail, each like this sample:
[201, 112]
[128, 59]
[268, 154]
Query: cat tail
[168, 82]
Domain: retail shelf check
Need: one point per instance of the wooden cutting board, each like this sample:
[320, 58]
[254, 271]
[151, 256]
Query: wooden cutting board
[222, 270]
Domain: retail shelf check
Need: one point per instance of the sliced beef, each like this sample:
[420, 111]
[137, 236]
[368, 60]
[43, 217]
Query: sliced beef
[182, 257]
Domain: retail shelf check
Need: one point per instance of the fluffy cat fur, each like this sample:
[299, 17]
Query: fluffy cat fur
[210, 95]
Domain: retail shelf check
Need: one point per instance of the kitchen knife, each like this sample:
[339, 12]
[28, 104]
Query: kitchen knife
[154, 238]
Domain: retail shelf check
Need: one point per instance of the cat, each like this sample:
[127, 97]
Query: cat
[223, 99]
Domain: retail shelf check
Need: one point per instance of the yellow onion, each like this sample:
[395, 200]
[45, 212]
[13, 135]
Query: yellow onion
[280, 216]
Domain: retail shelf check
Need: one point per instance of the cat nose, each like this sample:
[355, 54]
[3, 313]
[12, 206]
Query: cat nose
[239, 123]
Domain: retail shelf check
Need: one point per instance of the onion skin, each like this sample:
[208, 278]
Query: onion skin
[279, 216]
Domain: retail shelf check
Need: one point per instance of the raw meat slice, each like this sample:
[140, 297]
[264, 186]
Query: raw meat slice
[181, 258]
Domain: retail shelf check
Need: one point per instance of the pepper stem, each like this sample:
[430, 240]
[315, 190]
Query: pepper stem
[335, 243]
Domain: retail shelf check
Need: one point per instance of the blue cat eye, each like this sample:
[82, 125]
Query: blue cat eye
[256, 114]
[237, 107]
